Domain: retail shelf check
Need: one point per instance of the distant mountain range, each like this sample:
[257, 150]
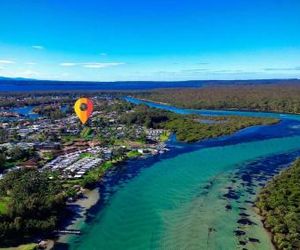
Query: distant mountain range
[24, 84]
[16, 79]
[256, 81]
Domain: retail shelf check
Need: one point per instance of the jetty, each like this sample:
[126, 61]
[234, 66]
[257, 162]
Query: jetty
[68, 231]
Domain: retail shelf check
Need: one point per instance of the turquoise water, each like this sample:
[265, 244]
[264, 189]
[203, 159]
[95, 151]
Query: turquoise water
[193, 196]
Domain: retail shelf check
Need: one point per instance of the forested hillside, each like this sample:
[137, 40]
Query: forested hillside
[274, 97]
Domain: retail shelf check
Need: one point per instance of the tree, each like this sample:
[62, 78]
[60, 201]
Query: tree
[35, 203]
[2, 160]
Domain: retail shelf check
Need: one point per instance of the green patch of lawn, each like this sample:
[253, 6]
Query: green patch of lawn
[85, 155]
[86, 132]
[133, 154]
[48, 156]
[164, 136]
[4, 205]
[118, 142]
[31, 246]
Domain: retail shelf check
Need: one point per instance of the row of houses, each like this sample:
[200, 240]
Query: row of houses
[76, 164]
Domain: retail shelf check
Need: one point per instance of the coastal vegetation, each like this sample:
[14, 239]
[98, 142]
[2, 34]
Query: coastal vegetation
[31, 203]
[273, 97]
[189, 128]
[279, 205]
[93, 176]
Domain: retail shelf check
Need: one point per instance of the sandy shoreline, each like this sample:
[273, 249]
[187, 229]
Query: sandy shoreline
[261, 218]
[80, 208]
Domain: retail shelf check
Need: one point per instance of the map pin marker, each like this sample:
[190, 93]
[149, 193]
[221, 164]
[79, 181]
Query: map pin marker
[83, 108]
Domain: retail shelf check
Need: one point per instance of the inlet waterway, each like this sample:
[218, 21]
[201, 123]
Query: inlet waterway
[196, 196]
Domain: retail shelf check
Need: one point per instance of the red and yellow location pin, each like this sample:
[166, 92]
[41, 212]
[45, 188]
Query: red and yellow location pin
[83, 108]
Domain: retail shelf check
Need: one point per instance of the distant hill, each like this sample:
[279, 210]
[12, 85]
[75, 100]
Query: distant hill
[16, 79]
[23, 84]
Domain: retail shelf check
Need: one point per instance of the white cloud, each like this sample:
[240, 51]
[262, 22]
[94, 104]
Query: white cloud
[37, 47]
[30, 63]
[68, 64]
[6, 62]
[95, 65]
[101, 65]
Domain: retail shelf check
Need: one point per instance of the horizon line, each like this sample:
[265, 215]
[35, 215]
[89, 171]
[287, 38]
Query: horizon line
[20, 79]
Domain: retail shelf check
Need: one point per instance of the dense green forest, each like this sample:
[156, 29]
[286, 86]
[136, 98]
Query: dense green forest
[279, 204]
[30, 204]
[273, 97]
[191, 128]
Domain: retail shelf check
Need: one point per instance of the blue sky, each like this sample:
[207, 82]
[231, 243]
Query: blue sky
[109, 40]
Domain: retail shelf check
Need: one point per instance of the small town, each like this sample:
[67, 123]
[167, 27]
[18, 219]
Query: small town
[70, 148]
